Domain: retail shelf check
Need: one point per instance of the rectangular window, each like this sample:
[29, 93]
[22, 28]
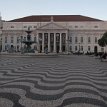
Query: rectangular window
[81, 48]
[63, 35]
[40, 38]
[12, 39]
[18, 40]
[35, 26]
[25, 26]
[75, 48]
[95, 26]
[40, 35]
[70, 48]
[57, 37]
[76, 26]
[5, 39]
[12, 26]
[70, 39]
[76, 39]
[18, 47]
[51, 38]
[46, 38]
[24, 38]
[81, 39]
[5, 48]
[89, 40]
[96, 40]
[89, 48]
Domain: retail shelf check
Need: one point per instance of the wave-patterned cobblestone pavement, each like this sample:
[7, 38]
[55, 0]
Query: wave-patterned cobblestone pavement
[65, 81]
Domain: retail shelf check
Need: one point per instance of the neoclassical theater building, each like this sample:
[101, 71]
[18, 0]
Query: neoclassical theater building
[57, 33]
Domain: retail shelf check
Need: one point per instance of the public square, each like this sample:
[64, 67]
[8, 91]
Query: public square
[56, 81]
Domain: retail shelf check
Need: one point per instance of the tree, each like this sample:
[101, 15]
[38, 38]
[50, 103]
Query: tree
[103, 40]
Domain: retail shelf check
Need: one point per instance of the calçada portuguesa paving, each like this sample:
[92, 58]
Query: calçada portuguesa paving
[63, 81]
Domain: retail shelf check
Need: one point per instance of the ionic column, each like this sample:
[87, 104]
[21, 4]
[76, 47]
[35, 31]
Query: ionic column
[66, 42]
[48, 42]
[60, 46]
[42, 43]
[54, 43]
[37, 42]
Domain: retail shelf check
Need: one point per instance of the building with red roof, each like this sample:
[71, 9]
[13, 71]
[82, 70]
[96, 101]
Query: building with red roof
[57, 33]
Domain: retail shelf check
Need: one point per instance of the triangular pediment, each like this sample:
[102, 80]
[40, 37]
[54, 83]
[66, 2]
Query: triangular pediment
[52, 25]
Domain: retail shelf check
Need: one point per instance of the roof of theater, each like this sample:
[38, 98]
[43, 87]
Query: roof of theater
[56, 18]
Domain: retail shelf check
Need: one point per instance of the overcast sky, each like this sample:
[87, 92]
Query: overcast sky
[12, 9]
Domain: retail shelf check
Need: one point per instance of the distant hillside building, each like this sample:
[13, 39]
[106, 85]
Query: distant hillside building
[57, 33]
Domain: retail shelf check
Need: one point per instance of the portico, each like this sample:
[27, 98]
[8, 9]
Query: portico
[52, 37]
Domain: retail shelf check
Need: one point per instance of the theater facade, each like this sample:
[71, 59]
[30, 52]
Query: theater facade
[56, 33]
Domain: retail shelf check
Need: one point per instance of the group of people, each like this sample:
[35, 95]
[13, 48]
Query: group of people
[46, 50]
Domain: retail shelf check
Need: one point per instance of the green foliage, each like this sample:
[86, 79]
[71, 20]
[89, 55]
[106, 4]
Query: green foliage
[103, 41]
[104, 35]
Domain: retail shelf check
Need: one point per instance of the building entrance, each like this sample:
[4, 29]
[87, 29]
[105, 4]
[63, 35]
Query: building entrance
[63, 48]
[51, 49]
[57, 48]
[95, 49]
